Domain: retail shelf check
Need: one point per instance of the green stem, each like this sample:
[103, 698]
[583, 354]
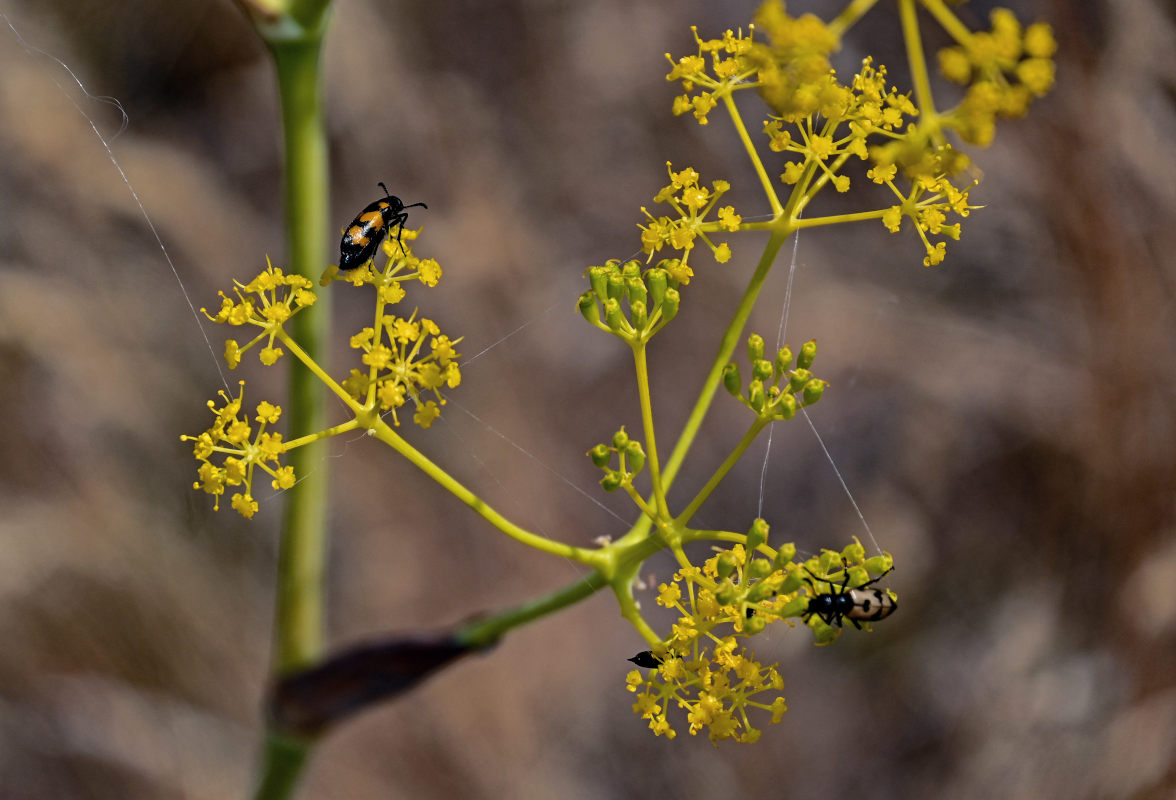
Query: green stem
[385, 434]
[860, 216]
[727, 346]
[852, 13]
[918, 60]
[299, 628]
[710, 385]
[487, 631]
[756, 162]
[282, 764]
[299, 619]
[642, 368]
[682, 519]
[617, 564]
[950, 22]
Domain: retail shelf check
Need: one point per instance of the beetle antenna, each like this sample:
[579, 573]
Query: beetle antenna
[385, 188]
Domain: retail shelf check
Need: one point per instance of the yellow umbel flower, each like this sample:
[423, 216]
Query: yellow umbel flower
[400, 366]
[266, 302]
[1004, 69]
[232, 441]
[692, 203]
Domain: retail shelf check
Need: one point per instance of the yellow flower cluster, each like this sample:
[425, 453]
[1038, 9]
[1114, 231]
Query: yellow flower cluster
[1004, 69]
[237, 449]
[730, 69]
[702, 668]
[790, 70]
[265, 302]
[692, 202]
[865, 108]
[931, 197]
[399, 369]
[795, 77]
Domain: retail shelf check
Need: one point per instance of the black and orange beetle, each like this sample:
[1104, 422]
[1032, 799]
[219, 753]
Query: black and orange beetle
[369, 228]
[851, 603]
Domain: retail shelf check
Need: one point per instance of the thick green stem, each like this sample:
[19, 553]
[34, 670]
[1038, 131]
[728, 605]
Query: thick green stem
[299, 614]
[282, 765]
[299, 621]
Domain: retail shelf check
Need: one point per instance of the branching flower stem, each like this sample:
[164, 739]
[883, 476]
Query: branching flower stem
[918, 61]
[756, 161]
[737, 453]
[642, 367]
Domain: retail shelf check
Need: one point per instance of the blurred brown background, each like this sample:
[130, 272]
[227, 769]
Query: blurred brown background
[1005, 421]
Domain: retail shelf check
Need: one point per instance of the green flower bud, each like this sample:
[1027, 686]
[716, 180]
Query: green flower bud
[615, 288]
[783, 362]
[755, 396]
[758, 534]
[792, 581]
[755, 347]
[785, 554]
[823, 634]
[637, 312]
[611, 481]
[808, 352]
[796, 607]
[759, 568]
[760, 590]
[657, 280]
[813, 390]
[854, 553]
[669, 306]
[754, 625]
[635, 455]
[589, 308]
[635, 288]
[613, 317]
[726, 593]
[732, 382]
[725, 564]
[797, 379]
[600, 455]
[761, 369]
[631, 268]
[598, 280]
[620, 439]
[786, 407]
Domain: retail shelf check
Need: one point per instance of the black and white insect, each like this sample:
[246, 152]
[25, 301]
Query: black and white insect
[852, 603]
[369, 228]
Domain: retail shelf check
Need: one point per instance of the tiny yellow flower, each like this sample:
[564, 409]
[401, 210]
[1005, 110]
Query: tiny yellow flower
[268, 412]
[283, 478]
[728, 219]
[426, 414]
[244, 505]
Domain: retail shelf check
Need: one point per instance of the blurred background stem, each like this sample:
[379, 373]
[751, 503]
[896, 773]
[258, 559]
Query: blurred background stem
[296, 45]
